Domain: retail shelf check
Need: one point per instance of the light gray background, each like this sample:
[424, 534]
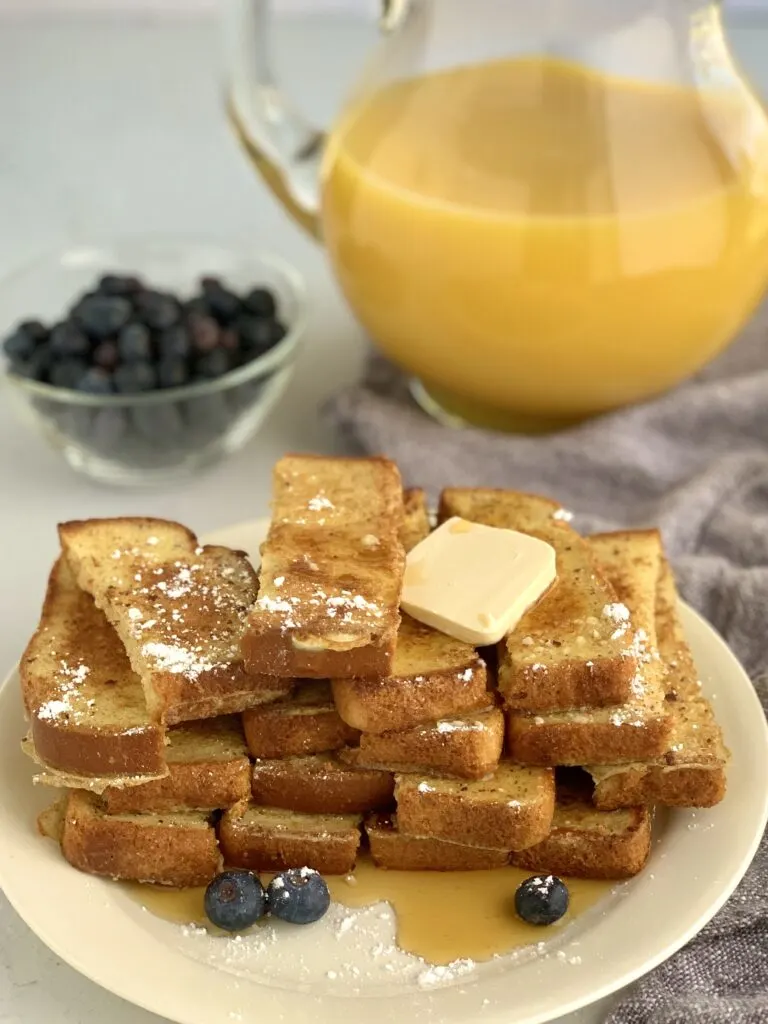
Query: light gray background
[113, 124]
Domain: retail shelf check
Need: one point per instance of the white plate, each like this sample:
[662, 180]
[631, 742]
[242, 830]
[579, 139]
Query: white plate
[332, 974]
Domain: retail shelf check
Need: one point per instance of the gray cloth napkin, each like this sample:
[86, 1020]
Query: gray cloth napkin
[694, 462]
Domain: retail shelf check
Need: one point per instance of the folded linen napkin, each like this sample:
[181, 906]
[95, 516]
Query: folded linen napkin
[694, 462]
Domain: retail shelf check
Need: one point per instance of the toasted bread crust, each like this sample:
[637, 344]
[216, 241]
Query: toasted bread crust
[427, 809]
[137, 850]
[416, 525]
[205, 786]
[594, 854]
[306, 724]
[331, 570]
[73, 654]
[178, 608]
[320, 785]
[395, 851]
[535, 740]
[466, 748]
[647, 785]
[250, 845]
[433, 677]
[564, 652]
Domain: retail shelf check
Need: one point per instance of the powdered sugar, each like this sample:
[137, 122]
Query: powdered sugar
[177, 659]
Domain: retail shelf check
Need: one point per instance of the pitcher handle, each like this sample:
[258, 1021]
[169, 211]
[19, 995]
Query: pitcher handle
[285, 147]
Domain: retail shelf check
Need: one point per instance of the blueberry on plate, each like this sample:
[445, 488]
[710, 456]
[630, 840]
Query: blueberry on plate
[213, 364]
[96, 381]
[134, 343]
[260, 302]
[133, 378]
[234, 900]
[68, 340]
[102, 316]
[299, 895]
[119, 284]
[541, 899]
[157, 310]
[67, 373]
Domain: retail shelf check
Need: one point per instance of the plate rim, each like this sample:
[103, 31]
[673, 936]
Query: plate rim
[133, 991]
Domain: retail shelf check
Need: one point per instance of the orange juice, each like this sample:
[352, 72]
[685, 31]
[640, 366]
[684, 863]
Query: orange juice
[532, 238]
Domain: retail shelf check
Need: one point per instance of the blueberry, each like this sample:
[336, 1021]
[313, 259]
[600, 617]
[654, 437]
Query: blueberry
[106, 355]
[172, 372]
[67, 339]
[234, 900]
[19, 345]
[67, 373]
[37, 366]
[96, 381]
[175, 343]
[204, 332]
[119, 284]
[260, 302]
[134, 343]
[259, 336]
[213, 364]
[157, 310]
[541, 899]
[222, 304]
[229, 340]
[133, 378]
[34, 329]
[299, 895]
[101, 316]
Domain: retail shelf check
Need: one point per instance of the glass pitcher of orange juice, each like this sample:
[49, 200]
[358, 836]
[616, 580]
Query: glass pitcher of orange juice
[541, 211]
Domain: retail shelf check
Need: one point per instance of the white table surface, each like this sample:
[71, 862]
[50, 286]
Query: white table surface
[114, 125]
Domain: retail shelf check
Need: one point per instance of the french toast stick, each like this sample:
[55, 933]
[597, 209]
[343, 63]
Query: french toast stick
[392, 849]
[86, 708]
[331, 570]
[320, 784]
[269, 839]
[573, 648]
[305, 723]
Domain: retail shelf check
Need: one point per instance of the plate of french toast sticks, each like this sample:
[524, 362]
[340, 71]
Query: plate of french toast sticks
[362, 760]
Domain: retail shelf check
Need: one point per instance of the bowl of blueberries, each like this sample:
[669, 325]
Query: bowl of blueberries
[142, 360]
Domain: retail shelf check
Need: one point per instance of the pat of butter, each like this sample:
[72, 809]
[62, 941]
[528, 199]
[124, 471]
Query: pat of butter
[475, 582]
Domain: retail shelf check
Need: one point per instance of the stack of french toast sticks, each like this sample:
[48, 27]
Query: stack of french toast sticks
[197, 715]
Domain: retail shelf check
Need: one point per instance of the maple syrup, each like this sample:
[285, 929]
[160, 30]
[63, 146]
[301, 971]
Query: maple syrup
[441, 916]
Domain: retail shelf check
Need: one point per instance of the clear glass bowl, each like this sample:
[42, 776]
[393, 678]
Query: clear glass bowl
[158, 436]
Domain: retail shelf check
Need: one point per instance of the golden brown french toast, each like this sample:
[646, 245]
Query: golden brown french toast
[574, 647]
[208, 769]
[86, 708]
[392, 849]
[587, 843]
[433, 676]
[636, 730]
[331, 570]
[166, 849]
[307, 722]
[466, 747]
[692, 770]
[320, 784]
[510, 810]
[416, 525]
[268, 839]
[179, 609]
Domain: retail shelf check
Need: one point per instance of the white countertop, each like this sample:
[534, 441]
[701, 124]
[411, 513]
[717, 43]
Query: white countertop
[113, 126]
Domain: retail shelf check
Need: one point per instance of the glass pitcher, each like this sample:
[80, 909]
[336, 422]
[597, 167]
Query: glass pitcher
[540, 211]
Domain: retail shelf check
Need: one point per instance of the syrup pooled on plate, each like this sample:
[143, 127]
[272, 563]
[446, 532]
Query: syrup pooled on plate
[441, 916]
